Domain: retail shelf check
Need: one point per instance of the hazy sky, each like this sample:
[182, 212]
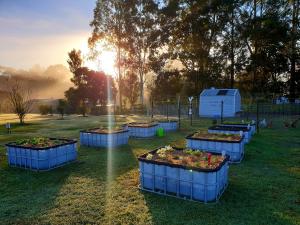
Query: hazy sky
[42, 31]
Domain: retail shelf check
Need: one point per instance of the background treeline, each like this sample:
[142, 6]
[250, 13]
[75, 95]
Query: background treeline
[179, 47]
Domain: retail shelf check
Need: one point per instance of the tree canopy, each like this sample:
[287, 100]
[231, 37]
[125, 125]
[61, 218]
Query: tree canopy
[252, 45]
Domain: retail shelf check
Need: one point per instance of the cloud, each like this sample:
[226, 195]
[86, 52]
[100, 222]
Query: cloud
[50, 82]
[23, 52]
[42, 32]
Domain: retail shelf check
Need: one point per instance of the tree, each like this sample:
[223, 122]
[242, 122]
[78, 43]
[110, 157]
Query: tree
[75, 60]
[83, 108]
[62, 107]
[166, 85]
[20, 100]
[131, 87]
[45, 109]
[143, 38]
[91, 86]
[264, 30]
[192, 38]
[112, 24]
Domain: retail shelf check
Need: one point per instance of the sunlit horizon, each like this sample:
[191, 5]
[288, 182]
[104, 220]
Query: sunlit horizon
[104, 61]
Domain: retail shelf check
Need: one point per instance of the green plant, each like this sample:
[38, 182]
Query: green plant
[149, 156]
[45, 109]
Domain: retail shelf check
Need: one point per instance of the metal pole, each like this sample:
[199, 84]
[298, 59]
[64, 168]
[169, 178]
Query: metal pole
[257, 117]
[191, 108]
[179, 111]
[191, 114]
[248, 112]
[167, 110]
[152, 109]
[221, 112]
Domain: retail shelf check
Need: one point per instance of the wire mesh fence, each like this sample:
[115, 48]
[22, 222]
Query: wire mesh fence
[263, 112]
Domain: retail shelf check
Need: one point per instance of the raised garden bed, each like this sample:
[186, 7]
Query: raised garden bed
[103, 137]
[184, 173]
[142, 130]
[235, 124]
[168, 125]
[220, 129]
[41, 153]
[231, 144]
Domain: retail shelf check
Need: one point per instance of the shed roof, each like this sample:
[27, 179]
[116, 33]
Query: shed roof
[219, 92]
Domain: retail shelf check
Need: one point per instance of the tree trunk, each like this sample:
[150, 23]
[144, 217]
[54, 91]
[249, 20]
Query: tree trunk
[255, 50]
[120, 78]
[293, 47]
[21, 118]
[141, 89]
[232, 49]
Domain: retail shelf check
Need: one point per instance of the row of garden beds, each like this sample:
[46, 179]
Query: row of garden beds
[48, 153]
[103, 137]
[199, 172]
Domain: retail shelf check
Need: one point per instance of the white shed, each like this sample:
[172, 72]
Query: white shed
[211, 102]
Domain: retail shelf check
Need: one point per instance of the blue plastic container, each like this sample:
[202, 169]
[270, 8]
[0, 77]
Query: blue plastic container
[220, 129]
[137, 131]
[96, 139]
[168, 125]
[235, 149]
[204, 185]
[41, 159]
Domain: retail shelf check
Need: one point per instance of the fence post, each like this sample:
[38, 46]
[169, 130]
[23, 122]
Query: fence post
[257, 116]
[192, 116]
[168, 110]
[248, 112]
[152, 109]
[221, 111]
[179, 122]
[191, 109]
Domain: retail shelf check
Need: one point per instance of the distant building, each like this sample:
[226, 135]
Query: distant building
[211, 102]
[281, 100]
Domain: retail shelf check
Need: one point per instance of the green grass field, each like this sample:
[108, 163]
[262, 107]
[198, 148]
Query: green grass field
[263, 189]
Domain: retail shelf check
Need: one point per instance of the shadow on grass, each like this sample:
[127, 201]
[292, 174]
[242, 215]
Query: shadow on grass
[238, 205]
[25, 194]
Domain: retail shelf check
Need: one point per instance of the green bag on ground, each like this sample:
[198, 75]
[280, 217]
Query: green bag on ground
[160, 132]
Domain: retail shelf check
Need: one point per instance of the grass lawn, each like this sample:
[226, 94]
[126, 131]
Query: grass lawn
[263, 189]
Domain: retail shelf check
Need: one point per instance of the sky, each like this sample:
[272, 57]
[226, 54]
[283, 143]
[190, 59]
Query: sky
[42, 32]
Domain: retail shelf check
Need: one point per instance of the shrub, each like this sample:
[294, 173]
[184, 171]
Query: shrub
[62, 107]
[45, 109]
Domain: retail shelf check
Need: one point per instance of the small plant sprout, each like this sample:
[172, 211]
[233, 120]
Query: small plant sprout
[149, 156]
[208, 158]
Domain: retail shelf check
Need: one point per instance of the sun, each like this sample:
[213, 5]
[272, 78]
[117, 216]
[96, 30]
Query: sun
[105, 61]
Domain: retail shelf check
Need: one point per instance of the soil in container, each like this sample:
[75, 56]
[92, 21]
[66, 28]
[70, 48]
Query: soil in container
[215, 137]
[142, 124]
[185, 158]
[39, 142]
[229, 128]
[100, 130]
[184, 173]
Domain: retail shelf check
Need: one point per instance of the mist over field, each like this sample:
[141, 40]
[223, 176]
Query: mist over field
[44, 83]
